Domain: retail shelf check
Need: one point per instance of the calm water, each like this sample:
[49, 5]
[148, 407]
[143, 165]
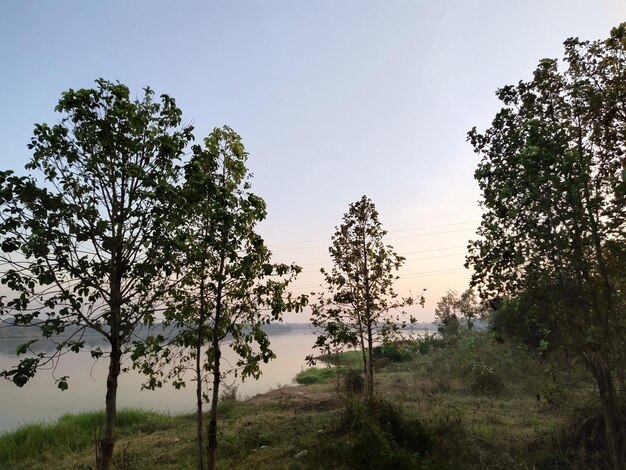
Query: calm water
[41, 400]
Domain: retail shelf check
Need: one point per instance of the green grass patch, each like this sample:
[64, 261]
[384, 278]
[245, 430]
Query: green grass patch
[72, 433]
[316, 375]
[352, 359]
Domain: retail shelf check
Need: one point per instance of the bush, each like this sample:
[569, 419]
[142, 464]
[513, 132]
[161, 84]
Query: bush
[582, 442]
[430, 342]
[399, 351]
[353, 381]
[484, 379]
[376, 434]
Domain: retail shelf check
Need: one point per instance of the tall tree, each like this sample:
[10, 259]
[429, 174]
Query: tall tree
[228, 287]
[82, 246]
[360, 307]
[552, 173]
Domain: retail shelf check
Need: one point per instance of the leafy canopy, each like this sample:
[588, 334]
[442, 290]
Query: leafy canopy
[89, 215]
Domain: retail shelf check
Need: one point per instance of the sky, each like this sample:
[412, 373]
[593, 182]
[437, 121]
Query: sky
[333, 100]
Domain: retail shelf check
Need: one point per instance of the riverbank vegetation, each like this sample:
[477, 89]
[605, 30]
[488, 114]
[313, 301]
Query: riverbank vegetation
[469, 401]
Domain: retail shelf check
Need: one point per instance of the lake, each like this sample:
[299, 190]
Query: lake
[41, 400]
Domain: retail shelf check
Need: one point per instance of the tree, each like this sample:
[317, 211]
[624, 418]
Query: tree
[83, 247]
[454, 312]
[360, 307]
[552, 173]
[227, 287]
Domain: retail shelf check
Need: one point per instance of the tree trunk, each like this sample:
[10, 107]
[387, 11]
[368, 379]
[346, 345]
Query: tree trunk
[370, 365]
[212, 426]
[199, 343]
[364, 355]
[611, 420]
[369, 371]
[107, 442]
[199, 423]
[215, 343]
[610, 411]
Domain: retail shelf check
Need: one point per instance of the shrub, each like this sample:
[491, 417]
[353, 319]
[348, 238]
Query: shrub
[484, 379]
[376, 434]
[353, 381]
[430, 342]
[582, 443]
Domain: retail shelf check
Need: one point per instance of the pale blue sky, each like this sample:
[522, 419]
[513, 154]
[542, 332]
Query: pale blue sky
[334, 99]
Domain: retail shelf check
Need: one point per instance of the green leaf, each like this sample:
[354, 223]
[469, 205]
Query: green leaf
[62, 383]
[23, 348]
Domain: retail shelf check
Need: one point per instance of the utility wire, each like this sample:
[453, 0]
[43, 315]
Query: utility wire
[407, 259]
[393, 211]
[390, 238]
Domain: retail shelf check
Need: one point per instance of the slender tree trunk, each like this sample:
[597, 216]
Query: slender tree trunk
[370, 365]
[107, 442]
[364, 355]
[200, 448]
[198, 366]
[212, 426]
[369, 369]
[610, 412]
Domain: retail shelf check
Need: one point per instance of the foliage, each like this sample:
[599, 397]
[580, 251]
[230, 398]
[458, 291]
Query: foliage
[396, 351]
[428, 342]
[227, 288]
[454, 312]
[553, 179]
[84, 246]
[360, 307]
[524, 317]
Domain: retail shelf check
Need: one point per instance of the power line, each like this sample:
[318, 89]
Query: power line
[430, 234]
[436, 249]
[407, 259]
[432, 273]
[325, 219]
[315, 240]
[435, 226]
[390, 238]
[403, 277]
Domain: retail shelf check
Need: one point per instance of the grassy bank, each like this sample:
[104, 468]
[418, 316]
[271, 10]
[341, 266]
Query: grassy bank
[72, 437]
[472, 404]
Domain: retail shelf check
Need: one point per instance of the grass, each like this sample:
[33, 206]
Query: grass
[39, 444]
[352, 359]
[316, 375]
[438, 410]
